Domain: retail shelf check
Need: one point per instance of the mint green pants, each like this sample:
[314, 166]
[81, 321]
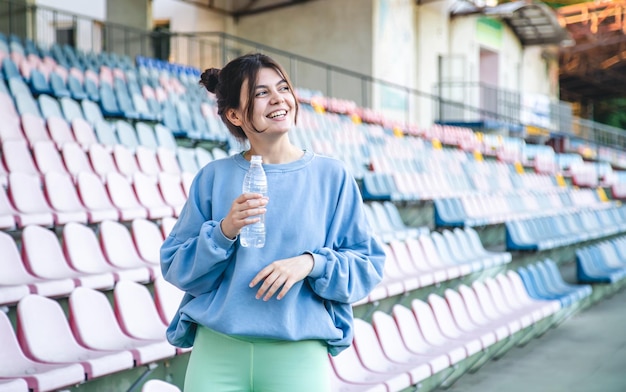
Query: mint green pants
[221, 363]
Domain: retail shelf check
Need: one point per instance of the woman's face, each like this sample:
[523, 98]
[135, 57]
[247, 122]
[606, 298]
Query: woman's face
[274, 106]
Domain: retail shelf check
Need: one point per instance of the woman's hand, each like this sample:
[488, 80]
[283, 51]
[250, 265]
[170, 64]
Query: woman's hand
[243, 211]
[282, 273]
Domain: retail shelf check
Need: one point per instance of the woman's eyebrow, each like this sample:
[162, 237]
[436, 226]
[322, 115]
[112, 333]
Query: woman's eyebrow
[261, 86]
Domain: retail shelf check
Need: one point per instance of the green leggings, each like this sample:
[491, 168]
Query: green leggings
[221, 363]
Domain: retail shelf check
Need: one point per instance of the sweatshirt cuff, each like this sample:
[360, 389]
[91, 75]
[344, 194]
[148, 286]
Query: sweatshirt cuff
[220, 239]
[319, 262]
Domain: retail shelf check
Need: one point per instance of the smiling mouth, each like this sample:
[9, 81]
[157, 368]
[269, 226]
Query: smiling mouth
[278, 113]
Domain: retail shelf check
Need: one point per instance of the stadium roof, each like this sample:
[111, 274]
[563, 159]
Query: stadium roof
[533, 23]
[239, 8]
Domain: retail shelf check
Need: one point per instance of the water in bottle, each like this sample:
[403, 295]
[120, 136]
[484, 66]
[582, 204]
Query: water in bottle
[254, 182]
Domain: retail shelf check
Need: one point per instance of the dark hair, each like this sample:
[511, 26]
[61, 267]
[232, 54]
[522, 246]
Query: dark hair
[226, 85]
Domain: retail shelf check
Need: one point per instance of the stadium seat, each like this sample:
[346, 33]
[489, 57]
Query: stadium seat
[167, 298]
[156, 385]
[84, 133]
[60, 131]
[14, 385]
[71, 109]
[350, 370]
[34, 128]
[75, 159]
[61, 193]
[394, 348]
[147, 161]
[171, 189]
[136, 311]
[147, 237]
[94, 197]
[84, 253]
[126, 161]
[43, 255]
[95, 326]
[168, 161]
[149, 196]
[127, 135]
[7, 211]
[29, 201]
[146, 135]
[124, 198]
[39, 376]
[47, 157]
[118, 247]
[415, 339]
[52, 341]
[164, 137]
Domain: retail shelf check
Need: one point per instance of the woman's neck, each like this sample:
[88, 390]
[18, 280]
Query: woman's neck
[275, 153]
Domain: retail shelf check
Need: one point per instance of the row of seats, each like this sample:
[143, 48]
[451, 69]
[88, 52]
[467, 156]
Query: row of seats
[482, 209]
[39, 262]
[433, 336]
[433, 258]
[570, 228]
[94, 339]
[602, 263]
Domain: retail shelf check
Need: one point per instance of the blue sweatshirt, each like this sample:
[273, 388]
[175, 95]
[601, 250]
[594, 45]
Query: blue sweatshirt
[314, 207]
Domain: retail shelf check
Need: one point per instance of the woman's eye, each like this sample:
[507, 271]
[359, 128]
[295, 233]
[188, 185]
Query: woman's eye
[284, 88]
[260, 93]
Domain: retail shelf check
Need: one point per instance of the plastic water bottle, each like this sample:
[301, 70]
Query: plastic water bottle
[254, 181]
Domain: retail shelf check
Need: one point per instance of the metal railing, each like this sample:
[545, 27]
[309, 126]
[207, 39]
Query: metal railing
[461, 102]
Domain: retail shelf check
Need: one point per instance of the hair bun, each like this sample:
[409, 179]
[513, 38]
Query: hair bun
[210, 78]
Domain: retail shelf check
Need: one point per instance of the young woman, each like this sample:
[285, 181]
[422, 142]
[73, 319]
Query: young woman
[265, 319]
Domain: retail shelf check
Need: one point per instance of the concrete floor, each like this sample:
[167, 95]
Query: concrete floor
[587, 353]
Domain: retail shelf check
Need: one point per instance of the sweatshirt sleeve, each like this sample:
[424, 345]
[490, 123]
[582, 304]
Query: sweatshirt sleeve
[196, 252]
[351, 264]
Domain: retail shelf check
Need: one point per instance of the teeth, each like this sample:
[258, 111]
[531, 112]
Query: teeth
[277, 113]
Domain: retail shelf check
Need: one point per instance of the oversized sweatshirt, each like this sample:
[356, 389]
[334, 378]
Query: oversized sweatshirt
[315, 207]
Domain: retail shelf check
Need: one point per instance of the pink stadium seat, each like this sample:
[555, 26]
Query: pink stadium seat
[7, 211]
[465, 323]
[136, 311]
[477, 314]
[350, 370]
[40, 377]
[34, 128]
[95, 198]
[434, 260]
[508, 292]
[548, 307]
[27, 196]
[167, 298]
[13, 385]
[16, 281]
[415, 339]
[83, 133]
[171, 189]
[124, 198]
[4, 175]
[147, 161]
[149, 196]
[408, 264]
[125, 161]
[394, 348]
[119, 249]
[10, 128]
[84, 253]
[500, 303]
[101, 160]
[17, 157]
[95, 326]
[167, 224]
[156, 385]
[43, 256]
[168, 161]
[63, 198]
[75, 159]
[373, 357]
[46, 336]
[60, 131]
[432, 330]
[449, 327]
[147, 237]
[47, 157]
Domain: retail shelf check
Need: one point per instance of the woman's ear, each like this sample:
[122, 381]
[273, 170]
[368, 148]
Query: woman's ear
[233, 117]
